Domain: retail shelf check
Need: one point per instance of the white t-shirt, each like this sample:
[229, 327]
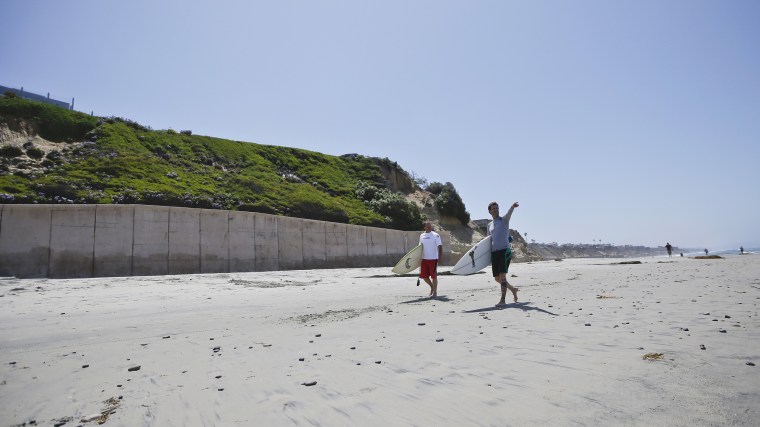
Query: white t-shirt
[430, 242]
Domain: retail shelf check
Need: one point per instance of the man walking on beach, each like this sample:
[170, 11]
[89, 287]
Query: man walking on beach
[501, 253]
[432, 251]
[669, 249]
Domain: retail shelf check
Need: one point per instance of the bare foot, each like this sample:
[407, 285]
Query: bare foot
[514, 293]
[501, 304]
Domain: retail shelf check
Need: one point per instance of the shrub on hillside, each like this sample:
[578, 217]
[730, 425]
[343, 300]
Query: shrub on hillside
[400, 213]
[35, 153]
[418, 181]
[57, 192]
[434, 188]
[10, 151]
[448, 202]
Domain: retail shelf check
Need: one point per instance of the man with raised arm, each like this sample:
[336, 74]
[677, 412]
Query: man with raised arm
[501, 253]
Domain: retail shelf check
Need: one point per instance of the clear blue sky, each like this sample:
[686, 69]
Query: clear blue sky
[633, 122]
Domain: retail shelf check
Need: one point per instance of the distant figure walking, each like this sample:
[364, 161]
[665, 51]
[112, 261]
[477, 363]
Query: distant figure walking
[706, 252]
[669, 249]
[741, 250]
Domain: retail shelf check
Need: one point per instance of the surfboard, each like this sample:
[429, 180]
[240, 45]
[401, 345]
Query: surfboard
[474, 260]
[410, 261]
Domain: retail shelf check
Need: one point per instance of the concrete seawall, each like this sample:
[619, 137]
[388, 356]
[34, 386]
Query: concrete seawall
[68, 241]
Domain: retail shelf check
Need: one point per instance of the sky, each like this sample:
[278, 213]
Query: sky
[623, 122]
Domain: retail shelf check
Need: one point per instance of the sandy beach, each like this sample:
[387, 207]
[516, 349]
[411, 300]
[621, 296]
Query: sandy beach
[670, 341]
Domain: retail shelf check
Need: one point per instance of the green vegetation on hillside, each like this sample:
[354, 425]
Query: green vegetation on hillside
[448, 202]
[113, 160]
[54, 123]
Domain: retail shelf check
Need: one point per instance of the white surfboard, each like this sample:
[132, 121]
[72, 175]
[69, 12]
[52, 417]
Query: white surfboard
[474, 260]
[410, 261]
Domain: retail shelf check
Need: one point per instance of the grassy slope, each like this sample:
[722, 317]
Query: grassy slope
[128, 163]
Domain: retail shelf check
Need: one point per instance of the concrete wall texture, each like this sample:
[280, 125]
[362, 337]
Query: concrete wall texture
[69, 241]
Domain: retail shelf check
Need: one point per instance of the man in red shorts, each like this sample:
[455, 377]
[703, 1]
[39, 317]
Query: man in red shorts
[432, 251]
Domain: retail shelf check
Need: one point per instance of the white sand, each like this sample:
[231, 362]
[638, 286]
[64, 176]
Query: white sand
[372, 342]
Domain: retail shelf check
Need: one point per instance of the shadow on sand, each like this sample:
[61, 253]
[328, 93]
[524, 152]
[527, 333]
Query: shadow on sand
[524, 306]
[417, 274]
[442, 298]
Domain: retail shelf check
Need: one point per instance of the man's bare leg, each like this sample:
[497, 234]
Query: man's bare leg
[432, 287]
[502, 279]
[504, 286]
[435, 287]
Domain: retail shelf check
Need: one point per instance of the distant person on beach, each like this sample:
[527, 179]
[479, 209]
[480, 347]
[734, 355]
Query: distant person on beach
[501, 253]
[669, 249]
[432, 251]
[741, 250]
[706, 251]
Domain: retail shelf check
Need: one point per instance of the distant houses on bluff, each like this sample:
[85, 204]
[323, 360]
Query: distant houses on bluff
[36, 97]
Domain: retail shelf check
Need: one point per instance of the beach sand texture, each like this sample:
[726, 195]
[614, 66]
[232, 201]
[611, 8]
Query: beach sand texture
[671, 341]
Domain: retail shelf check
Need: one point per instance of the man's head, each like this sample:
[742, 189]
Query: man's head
[493, 207]
[428, 226]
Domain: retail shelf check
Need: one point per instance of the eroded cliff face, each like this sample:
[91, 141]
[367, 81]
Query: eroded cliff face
[24, 151]
[521, 251]
[397, 179]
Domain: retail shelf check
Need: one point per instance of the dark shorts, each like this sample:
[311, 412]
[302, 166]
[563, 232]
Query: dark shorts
[429, 268]
[500, 261]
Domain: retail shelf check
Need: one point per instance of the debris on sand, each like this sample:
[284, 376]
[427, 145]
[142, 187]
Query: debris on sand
[653, 356]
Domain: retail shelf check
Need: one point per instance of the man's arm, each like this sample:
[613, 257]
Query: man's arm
[508, 215]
